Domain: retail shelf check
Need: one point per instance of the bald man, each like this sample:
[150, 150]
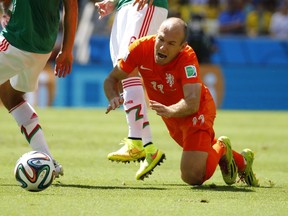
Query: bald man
[171, 75]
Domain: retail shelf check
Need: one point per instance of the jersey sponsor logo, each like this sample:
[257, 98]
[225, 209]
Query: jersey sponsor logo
[144, 68]
[190, 71]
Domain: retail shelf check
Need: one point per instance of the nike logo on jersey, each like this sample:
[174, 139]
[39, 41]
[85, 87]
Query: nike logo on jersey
[144, 68]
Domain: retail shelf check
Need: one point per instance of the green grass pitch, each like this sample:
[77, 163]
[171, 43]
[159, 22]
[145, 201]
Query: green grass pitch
[80, 140]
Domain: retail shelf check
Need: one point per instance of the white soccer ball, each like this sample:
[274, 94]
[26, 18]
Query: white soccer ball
[35, 171]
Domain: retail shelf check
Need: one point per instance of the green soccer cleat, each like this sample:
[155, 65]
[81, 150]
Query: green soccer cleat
[147, 166]
[227, 163]
[132, 150]
[248, 176]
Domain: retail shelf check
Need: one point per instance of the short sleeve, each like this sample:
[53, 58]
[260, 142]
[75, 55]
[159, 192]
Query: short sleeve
[190, 71]
[130, 61]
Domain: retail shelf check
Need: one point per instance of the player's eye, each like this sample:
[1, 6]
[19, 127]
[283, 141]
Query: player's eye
[160, 39]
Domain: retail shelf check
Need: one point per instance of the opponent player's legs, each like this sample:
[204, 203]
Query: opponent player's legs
[13, 100]
[129, 25]
[136, 110]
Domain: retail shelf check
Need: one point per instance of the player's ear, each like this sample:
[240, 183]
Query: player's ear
[184, 44]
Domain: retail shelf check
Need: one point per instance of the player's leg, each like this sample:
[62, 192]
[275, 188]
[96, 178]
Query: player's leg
[130, 24]
[247, 174]
[193, 167]
[148, 24]
[12, 92]
[135, 110]
[242, 162]
[132, 149]
[199, 160]
[27, 119]
[227, 163]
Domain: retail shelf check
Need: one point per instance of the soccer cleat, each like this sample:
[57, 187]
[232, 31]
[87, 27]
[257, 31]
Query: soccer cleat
[227, 163]
[58, 169]
[247, 175]
[131, 151]
[147, 166]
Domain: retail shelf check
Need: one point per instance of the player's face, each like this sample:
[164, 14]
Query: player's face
[168, 45]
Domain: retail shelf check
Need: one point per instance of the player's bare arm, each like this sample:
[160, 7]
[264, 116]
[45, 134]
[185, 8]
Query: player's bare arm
[105, 7]
[141, 3]
[5, 4]
[186, 106]
[111, 88]
[64, 58]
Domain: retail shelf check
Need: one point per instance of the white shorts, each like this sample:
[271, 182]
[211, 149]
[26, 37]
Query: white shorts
[20, 67]
[130, 24]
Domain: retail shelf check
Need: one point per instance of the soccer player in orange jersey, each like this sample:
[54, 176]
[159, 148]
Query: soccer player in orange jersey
[170, 72]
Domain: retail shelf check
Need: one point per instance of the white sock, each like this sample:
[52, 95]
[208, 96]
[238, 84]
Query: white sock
[28, 121]
[136, 109]
[146, 130]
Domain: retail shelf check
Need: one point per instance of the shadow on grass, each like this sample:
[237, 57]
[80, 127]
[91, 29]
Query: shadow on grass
[210, 187]
[9, 185]
[213, 187]
[99, 187]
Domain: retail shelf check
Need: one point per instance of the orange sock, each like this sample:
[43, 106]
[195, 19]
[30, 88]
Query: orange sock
[214, 141]
[211, 164]
[214, 156]
[239, 160]
[220, 148]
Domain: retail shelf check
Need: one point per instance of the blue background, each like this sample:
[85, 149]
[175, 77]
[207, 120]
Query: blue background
[255, 75]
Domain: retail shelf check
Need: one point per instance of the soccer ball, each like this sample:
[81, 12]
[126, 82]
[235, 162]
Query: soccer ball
[34, 171]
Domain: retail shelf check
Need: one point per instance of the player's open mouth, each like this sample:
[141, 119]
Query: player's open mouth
[161, 56]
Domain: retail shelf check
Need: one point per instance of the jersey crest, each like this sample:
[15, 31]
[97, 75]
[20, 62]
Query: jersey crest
[169, 79]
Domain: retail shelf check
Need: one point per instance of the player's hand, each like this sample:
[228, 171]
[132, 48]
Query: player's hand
[63, 64]
[141, 3]
[160, 109]
[4, 20]
[105, 8]
[114, 104]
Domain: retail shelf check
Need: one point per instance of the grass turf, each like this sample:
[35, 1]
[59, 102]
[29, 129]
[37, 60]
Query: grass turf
[80, 140]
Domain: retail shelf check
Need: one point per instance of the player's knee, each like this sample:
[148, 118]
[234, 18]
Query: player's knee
[9, 96]
[192, 178]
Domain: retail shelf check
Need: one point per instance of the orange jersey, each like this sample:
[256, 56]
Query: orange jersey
[164, 84]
